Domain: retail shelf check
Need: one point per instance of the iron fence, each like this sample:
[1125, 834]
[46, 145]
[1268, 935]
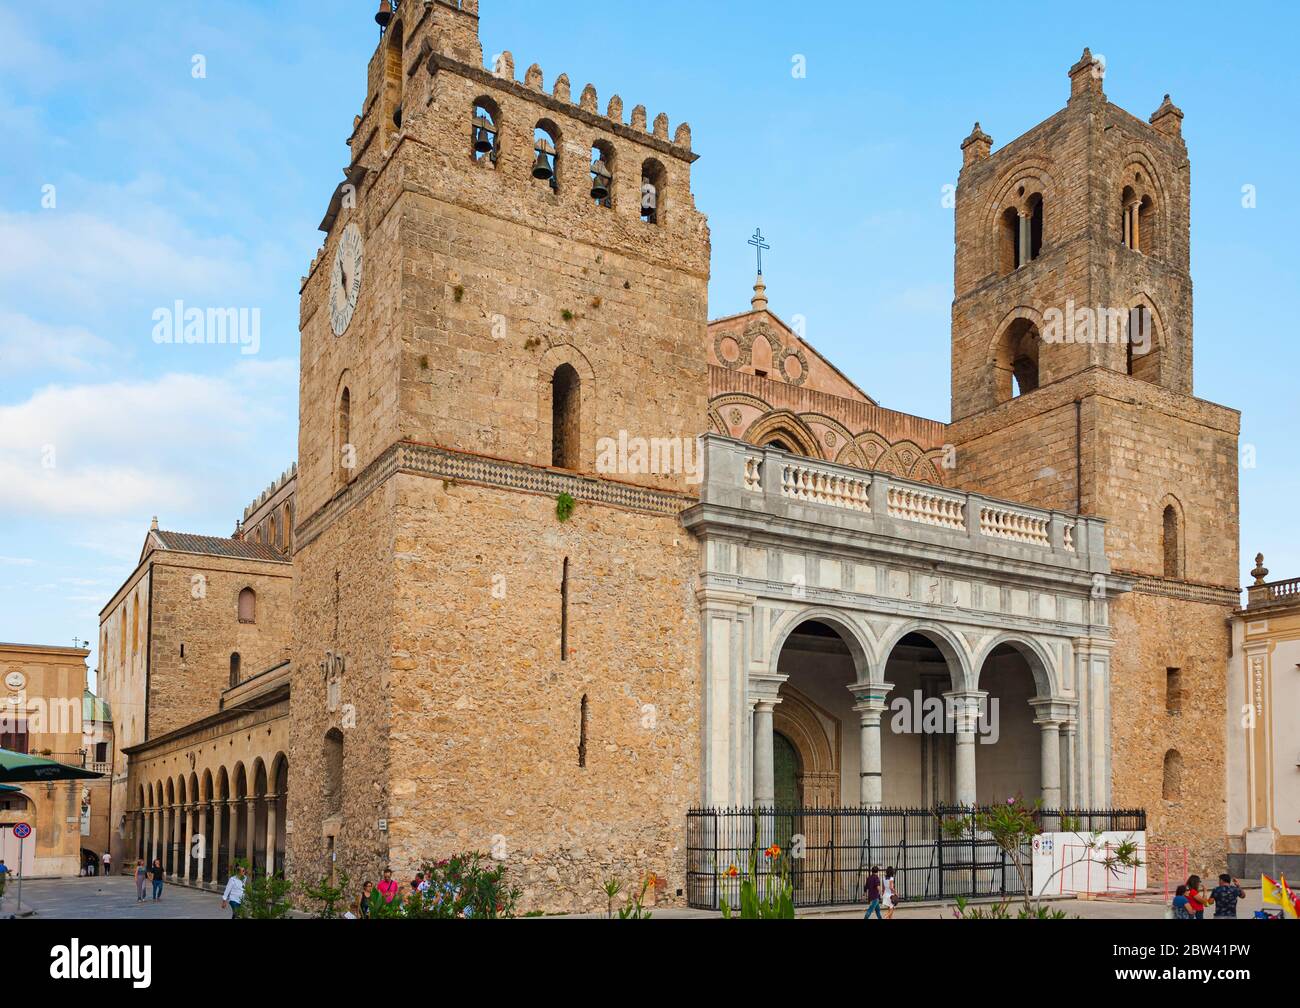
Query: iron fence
[835, 848]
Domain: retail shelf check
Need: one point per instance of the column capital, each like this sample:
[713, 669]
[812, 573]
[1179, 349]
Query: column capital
[1052, 711]
[762, 705]
[870, 698]
[965, 706]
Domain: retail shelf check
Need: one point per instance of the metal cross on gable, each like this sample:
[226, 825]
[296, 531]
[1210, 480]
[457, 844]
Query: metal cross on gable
[759, 243]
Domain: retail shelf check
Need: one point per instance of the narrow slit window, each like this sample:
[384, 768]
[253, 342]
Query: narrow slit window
[564, 611]
[583, 710]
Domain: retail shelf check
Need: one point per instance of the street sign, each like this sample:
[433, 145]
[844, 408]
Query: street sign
[22, 831]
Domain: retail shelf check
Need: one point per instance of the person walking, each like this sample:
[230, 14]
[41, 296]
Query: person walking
[873, 894]
[1224, 896]
[387, 887]
[233, 897]
[141, 878]
[890, 894]
[157, 874]
[108, 864]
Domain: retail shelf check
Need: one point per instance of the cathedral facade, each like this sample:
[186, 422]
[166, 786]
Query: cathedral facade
[569, 559]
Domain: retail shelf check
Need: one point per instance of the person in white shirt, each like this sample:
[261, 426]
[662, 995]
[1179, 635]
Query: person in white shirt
[108, 863]
[234, 894]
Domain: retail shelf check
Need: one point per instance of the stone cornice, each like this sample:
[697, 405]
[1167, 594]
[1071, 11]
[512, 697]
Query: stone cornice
[458, 467]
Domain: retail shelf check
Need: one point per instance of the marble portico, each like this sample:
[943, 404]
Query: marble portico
[822, 585]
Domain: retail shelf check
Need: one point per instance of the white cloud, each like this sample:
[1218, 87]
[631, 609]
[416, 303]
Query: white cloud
[133, 448]
[29, 345]
[83, 260]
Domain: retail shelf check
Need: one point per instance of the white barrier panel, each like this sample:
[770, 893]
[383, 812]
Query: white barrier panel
[9, 847]
[1064, 864]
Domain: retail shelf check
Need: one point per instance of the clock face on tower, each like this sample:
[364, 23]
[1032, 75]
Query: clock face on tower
[345, 279]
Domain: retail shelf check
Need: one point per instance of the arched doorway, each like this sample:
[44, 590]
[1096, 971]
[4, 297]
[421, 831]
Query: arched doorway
[1008, 764]
[786, 771]
[809, 745]
[918, 743]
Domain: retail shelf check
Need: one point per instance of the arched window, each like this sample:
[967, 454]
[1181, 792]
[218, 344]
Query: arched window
[566, 404]
[1016, 362]
[1008, 241]
[1171, 543]
[1137, 217]
[1035, 247]
[1172, 789]
[248, 606]
[234, 669]
[602, 174]
[332, 781]
[546, 147]
[1147, 225]
[485, 131]
[1142, 349]
[652, 191]
[392, 93]
[1020, 232]
[135, 624]
[345, 457]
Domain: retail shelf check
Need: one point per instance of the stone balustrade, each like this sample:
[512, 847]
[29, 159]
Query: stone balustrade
[786, 479]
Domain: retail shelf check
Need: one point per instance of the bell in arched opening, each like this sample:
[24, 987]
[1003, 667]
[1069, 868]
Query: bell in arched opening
[600, 182]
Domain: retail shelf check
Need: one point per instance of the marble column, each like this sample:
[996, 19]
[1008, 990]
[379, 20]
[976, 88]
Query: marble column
[176, 834]
[1135, 231]
[1026, 237]
[187, 828]
[205, 829]
[1050, 738]
[271, 828]
[965, 706]
[250, 833]
[764, 766]
[1069, 792]
[218, 824]
[870, 706]
[232, 830]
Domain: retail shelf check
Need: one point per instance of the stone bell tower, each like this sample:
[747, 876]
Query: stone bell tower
[511, 280]
[1078, 223]
[1072, 390]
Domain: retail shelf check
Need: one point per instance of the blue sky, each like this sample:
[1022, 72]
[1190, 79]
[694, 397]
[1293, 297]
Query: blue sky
[209, 190]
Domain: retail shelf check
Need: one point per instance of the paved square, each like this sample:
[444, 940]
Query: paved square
[109, 898]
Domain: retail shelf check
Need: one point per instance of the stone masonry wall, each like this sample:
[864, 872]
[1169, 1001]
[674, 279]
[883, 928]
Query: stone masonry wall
[343, 595]
[182, 690]
[1153, 634]
[487, 717]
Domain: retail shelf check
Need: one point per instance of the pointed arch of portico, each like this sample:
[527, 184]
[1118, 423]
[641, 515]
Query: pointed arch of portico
[950, 645]
[857, 638]
[788, 427]
[1047, 677]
